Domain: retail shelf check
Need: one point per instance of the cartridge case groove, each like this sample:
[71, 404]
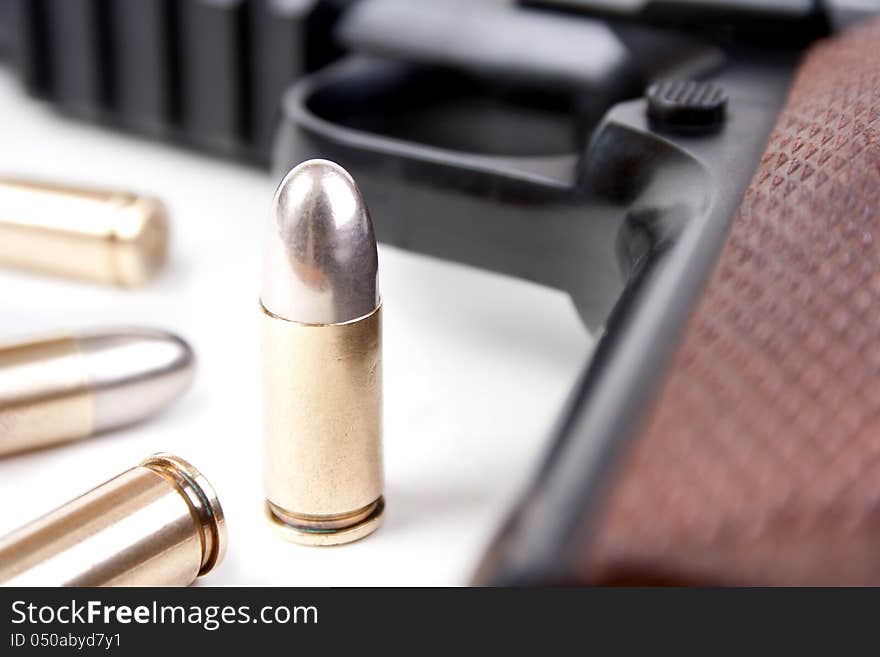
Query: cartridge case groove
[322, 395]
[205, 510]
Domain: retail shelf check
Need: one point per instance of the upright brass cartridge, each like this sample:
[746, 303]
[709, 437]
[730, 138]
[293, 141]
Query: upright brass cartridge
[59, 388]
[115, 238]
[158, 524]
[322, 344]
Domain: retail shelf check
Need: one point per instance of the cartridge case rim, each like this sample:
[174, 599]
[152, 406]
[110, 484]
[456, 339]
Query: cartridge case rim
[139, 240]
[202, 500]
[303, 535]
[323, 522]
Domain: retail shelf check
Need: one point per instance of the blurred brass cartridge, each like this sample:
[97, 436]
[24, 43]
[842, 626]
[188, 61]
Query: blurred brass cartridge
[322, 375]
[56, 389]
[158, 524]
[115, 238]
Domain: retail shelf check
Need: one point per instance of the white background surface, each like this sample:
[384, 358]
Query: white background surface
[476, 368]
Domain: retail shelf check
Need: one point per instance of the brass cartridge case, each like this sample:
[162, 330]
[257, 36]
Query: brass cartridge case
[322, 396]
[158, 524]
[109, 237]
[44, 394]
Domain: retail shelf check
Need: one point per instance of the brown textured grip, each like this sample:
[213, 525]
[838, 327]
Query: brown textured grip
[760, 461]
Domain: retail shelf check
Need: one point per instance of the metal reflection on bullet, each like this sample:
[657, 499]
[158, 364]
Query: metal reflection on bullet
[157, 524]
[322, 379]
[110, 237]
[320, 262]
[56, 389]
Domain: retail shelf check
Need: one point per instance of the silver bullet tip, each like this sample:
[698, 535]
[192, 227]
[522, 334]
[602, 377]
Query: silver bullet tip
[134, 373]
[320, 262]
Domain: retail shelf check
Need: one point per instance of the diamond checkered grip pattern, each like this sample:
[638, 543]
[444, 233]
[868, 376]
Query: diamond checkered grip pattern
[760, 461]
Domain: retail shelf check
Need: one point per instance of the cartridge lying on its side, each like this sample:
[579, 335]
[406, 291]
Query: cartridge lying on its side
[115, 238]
[322, 375]
[158, 524]
[60, 388]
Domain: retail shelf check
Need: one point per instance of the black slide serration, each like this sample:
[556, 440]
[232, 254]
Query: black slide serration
[208, 74]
